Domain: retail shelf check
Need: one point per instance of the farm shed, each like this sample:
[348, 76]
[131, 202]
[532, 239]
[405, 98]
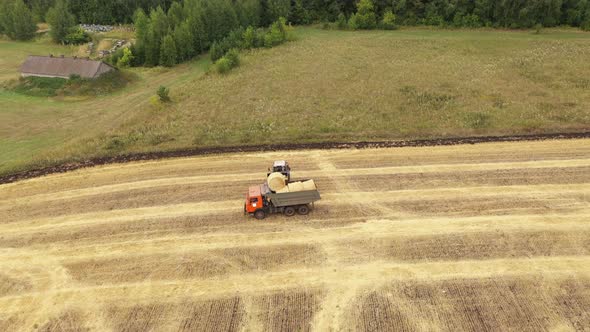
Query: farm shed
[63, 67]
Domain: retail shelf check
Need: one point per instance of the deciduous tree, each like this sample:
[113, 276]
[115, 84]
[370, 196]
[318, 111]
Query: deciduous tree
[60, 20]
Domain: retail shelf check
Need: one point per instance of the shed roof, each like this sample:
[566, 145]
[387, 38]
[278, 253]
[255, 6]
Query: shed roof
[63, 66]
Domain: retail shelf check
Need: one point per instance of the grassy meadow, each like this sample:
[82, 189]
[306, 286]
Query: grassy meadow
[325, 86]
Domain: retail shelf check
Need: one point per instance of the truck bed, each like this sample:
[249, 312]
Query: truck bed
[294, 198]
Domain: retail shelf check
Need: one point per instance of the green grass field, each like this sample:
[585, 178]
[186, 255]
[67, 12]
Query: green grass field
[325, 86]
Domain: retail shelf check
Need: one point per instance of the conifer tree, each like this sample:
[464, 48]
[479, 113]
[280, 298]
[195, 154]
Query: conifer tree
[168, 52]
[142, 25]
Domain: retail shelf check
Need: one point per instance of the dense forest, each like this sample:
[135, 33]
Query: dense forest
[196, 26]
[496, 13]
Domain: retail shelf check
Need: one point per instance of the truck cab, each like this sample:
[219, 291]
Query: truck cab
[254, 200]
[281, 166]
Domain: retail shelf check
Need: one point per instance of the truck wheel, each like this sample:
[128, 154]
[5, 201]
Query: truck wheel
[303, 209]
[260, 214]
[289, 211]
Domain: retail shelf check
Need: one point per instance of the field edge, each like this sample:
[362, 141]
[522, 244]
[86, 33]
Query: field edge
[63, 167]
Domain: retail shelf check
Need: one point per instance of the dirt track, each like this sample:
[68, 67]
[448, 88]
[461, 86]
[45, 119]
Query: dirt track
[469, 237]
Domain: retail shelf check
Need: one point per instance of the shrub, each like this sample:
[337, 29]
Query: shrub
[155, 102]
[105, 84]
[249, 38]
[352, 22]
[260, 38]
[126, 59]
[233, 56]
[341, 21]
[276, 35]
[39, 86]
[164, 94]
[434, 20]
[73, 86]
[388, 21]
[471, 21]
[230, 60]
[113, 59]
[76, 36]
[215, 52]
[538, 27]
[223, 65]
[233, 39]
[365, 16]
[458, 20]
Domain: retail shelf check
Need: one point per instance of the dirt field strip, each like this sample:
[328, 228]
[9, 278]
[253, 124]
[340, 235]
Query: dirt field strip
[469, 237]
[344, 197]
[373, 228]
[367, 275]
[333, 172]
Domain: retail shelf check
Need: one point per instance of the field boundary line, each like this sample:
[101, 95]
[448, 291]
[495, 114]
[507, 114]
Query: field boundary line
[70, 166]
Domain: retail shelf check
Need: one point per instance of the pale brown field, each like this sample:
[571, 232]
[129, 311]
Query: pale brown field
[479, 238]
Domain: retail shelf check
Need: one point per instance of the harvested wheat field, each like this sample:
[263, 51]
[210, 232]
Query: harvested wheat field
[483, 237]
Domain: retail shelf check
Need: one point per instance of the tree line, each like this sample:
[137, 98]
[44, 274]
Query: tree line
[192, 27]
[18, 16]
[494, 13]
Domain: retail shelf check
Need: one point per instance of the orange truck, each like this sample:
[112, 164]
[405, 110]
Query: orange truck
[295, 197]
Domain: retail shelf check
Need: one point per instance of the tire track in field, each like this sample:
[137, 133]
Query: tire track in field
[329, 316]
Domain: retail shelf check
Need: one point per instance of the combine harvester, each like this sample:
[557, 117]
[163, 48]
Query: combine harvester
[281, 195]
